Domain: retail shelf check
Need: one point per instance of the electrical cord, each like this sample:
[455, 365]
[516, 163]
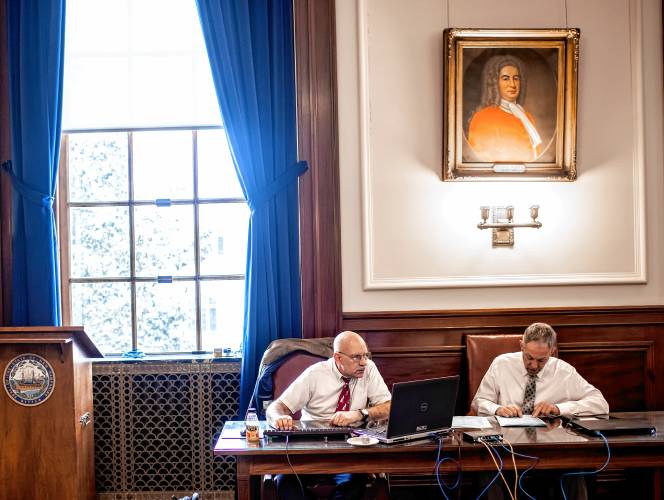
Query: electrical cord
[502, 476]
[439, 461]
[528, 469]
[499, 467]
[587, 473]
[516, 471]
[293, 469]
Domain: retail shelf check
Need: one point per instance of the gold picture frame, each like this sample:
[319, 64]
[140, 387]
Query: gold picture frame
[510, 99]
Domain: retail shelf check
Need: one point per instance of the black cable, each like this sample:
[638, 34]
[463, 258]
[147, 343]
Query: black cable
[293, 469]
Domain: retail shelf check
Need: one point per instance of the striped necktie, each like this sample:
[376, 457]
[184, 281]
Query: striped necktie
[529, 395]
[344, 396]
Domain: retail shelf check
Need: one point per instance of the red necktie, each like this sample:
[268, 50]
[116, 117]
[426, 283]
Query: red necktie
[344, 396]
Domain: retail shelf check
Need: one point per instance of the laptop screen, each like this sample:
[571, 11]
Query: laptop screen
[422, 406]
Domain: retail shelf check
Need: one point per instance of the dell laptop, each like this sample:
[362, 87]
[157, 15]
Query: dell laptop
[419, 409]
[613, 426]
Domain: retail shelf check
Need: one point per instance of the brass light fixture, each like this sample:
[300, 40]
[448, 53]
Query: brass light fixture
[502, 223]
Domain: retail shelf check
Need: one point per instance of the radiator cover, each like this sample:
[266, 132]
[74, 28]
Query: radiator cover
[155, 426]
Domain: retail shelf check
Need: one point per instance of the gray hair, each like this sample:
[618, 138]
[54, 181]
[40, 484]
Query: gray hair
[490, 74]
[540, 332]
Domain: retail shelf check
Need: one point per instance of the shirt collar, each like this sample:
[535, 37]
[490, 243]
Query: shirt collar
[335, 370]
[507, 106]
[539, 374]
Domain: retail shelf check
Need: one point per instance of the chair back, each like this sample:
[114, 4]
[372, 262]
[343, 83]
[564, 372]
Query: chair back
[289, 370]
[481, 350]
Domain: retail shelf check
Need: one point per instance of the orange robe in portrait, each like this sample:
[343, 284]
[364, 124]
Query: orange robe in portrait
[496, 135]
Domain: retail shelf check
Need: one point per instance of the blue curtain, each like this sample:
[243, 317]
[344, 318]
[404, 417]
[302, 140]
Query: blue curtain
[250, 47]
[35, 31]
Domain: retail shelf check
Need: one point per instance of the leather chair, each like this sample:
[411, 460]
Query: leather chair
[289, 370]
[295, 363]
[481, 350]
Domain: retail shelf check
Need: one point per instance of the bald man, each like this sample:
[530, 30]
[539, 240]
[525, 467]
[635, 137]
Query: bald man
[318, 392]
[344, 390]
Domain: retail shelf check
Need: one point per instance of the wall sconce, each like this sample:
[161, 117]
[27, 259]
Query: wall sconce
[502, 223]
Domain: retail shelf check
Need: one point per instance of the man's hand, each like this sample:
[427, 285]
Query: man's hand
[545, 408]
[283, 423]
[509, 411]
[278, 415]
[346, 418]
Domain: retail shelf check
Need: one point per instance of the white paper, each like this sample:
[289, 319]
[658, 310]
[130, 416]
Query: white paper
[525, 421]
[466, 422]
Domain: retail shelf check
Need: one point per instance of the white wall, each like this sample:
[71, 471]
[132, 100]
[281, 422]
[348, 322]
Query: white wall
[409, 240]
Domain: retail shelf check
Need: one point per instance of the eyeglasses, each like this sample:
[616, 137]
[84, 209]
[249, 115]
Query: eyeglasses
[357, 357]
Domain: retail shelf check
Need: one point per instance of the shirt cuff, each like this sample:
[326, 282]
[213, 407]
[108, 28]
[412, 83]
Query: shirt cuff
[566, 408]
[487, 408]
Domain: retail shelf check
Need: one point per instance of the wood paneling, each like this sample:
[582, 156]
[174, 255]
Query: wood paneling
[315, 48]
[615, 349]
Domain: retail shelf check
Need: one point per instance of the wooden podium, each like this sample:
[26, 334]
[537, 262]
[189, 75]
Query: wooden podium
[46, 428]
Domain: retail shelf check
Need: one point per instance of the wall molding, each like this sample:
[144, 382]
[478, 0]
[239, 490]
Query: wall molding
[638, 273]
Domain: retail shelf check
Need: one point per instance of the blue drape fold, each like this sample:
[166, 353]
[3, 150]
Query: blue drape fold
[250, 48]
[35, 42]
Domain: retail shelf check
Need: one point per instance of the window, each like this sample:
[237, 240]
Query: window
[153, 222]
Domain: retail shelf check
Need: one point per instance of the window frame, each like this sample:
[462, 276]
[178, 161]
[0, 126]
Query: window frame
[63, 230]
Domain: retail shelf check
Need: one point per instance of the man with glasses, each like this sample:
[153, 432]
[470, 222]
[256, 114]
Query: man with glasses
[532, 382]
[346, 390]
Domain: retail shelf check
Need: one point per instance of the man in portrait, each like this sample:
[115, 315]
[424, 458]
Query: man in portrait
[502, 130]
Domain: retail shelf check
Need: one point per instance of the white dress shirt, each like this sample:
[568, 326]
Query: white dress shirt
[316, 391]
[558, 383]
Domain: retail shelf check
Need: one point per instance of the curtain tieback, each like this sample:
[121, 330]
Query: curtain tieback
[277, 185]
[26, 191]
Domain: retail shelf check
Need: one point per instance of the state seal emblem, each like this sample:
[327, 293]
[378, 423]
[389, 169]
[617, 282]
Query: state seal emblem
[29, 379]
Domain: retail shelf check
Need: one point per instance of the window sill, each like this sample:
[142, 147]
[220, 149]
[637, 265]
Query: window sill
[168, 358]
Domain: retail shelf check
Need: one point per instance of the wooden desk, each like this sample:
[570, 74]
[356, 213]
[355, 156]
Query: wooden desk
[556, 447]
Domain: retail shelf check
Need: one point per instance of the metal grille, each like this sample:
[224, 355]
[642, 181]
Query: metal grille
[155, 427]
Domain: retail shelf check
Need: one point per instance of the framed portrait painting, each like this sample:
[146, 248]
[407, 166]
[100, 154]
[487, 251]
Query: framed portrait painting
[510, 104]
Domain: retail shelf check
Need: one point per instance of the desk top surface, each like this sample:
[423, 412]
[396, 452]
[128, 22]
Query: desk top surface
[556, 433]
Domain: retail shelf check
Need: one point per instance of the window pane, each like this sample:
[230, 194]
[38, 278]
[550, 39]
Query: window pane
[96, 87]
[223, 234]
[98, 167]
[163, 165]
[166, 316]
[104, 309]
[223, 302]
[107, 43]
[149, 100]
[164, 240]
[99, 242]
[216, 172]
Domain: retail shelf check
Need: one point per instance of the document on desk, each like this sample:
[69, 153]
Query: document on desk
[525, 421]
[468, 422]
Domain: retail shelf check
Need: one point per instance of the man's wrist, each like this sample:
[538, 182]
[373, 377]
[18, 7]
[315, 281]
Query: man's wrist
[364, 414]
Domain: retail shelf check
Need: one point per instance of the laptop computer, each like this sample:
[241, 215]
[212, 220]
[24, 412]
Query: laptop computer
[419, 409]
[613, 426]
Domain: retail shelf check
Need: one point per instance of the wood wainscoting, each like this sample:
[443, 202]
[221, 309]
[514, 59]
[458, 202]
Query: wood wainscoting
[620, 350]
